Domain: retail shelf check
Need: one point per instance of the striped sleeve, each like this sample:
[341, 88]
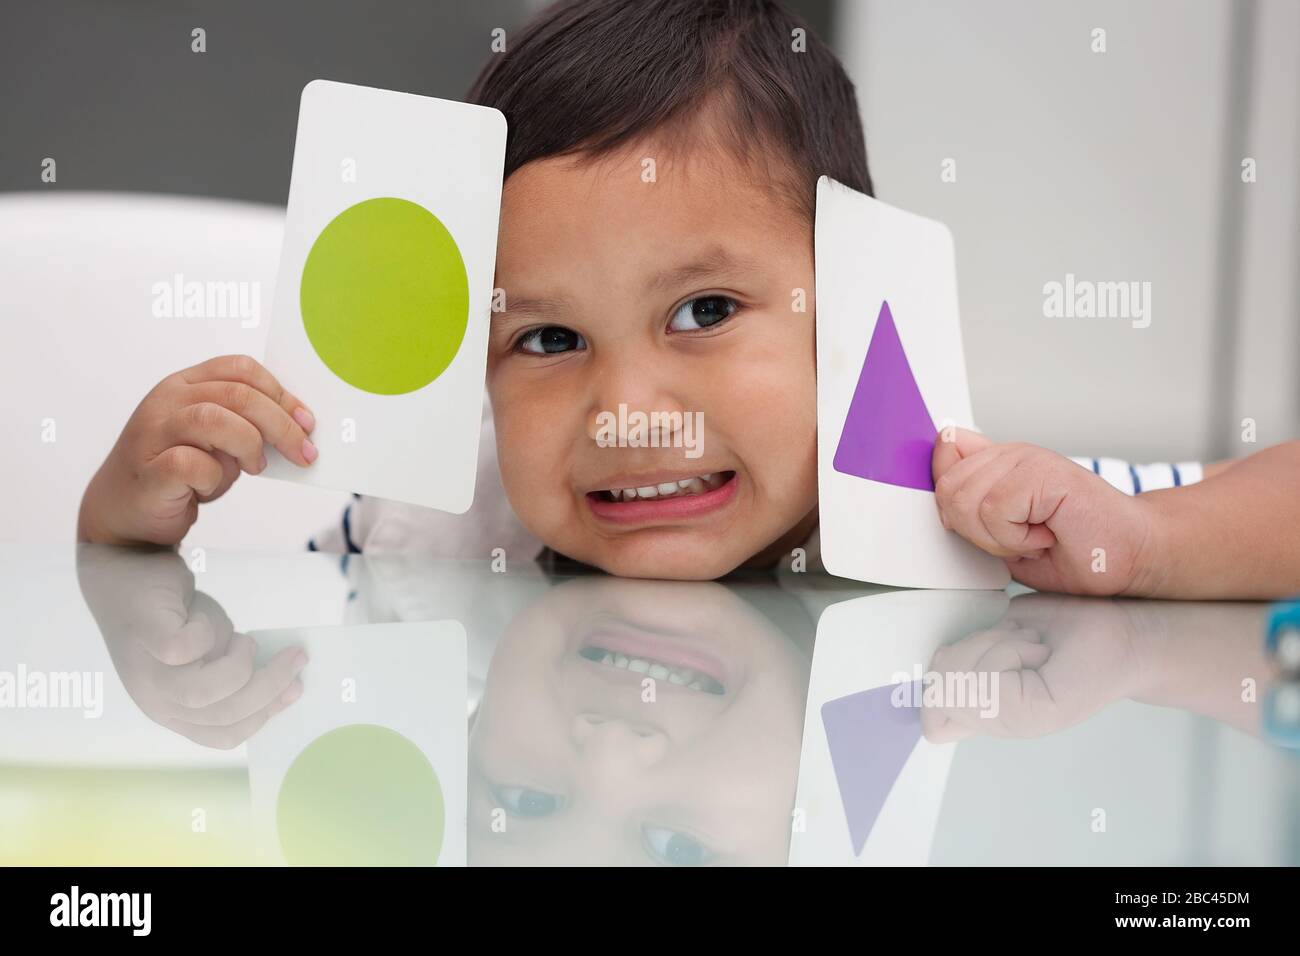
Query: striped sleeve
[1134, 479]
[338, 538]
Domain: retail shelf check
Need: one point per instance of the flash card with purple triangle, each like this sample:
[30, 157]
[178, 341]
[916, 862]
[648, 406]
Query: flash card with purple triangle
[890, 375]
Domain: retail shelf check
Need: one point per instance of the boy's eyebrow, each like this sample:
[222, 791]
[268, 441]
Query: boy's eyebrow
[716, 261]
[540, 308]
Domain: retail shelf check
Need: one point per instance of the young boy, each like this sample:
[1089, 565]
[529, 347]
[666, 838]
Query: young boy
[656, 217]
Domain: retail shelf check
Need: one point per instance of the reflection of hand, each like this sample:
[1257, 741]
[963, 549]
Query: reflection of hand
[176, 651]
[1058, 660]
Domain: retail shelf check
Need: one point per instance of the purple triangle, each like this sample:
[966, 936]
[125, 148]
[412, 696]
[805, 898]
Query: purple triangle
[870, 740]
[888, 435]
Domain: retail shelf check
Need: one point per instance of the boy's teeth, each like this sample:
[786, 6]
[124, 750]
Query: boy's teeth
[695, 485]
[681, 676]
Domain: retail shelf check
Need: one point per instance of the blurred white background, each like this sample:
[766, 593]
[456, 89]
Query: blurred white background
[1123, 165]
[1115, 166]
[77, 302]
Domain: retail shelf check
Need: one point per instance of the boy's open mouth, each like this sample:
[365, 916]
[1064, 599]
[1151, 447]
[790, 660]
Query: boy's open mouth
[676, 498]
[682, 676]
[682, 666]
[679, 488]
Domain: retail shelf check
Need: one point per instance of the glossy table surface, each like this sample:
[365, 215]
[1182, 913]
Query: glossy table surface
[453, 713]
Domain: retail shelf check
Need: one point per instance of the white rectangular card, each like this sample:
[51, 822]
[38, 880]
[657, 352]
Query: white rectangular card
[383, 297]
[890, 376]
[369, 765]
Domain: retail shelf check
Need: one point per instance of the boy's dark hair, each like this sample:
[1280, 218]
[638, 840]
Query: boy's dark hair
[587, 76]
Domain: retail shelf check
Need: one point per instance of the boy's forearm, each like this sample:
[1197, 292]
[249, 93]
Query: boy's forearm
[1195, 656]
[1234, 535]
[1213, 468]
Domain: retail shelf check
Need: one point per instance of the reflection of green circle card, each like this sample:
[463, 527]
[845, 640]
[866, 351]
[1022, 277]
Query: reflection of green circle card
[385, 290]
[368, 767]
[360, 795]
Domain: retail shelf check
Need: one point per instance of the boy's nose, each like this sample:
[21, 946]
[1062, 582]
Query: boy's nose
[633, 387]
[612, 745]
[630, 426]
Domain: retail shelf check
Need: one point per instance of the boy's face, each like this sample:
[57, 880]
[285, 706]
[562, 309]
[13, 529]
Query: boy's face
[588, 769]
[669, 282]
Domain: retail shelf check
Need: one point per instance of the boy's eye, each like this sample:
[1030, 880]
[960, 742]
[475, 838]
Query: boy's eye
[549, 340]
[522, 802]
[702, 312]
[674, 848]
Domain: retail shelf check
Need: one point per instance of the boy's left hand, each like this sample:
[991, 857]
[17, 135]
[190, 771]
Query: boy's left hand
[1058, 526]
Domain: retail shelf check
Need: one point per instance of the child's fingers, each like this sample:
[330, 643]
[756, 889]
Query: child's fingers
[277, 426]
[263, 689]
[961, 505]
[290, 694]
[210, 426]
[966, 654]
[938, 728]
[1007, 508]
[993, 669]
[965, 443]
[195, 686]
[172, 646]
[1015, 654]
[181, 469]
[224, 738]
[957, 476]
[246, 369]
[229, 472]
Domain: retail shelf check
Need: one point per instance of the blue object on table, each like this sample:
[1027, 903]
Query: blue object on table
[1282, 639]
[1281, 714]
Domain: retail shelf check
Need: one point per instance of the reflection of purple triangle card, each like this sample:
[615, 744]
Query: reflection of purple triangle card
[870, 740]
[888, 434]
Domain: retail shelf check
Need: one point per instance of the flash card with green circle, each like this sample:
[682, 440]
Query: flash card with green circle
[384, 293]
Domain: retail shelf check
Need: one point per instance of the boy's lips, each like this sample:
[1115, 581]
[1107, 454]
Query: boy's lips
[698, 497]
[642, 654]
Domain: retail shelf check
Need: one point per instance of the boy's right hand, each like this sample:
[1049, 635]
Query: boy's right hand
[185, 444]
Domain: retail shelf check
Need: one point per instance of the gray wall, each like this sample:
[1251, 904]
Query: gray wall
[112, 90]
[1122, 165]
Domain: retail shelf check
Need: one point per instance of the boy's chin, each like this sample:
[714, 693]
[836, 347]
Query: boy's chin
[702, 561]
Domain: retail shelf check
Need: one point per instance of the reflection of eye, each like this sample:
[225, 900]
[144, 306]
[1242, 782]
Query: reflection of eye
[675, 848]
[550, 339]
[522, 802]
[702, 312]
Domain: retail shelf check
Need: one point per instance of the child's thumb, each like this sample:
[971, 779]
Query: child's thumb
[952, 445]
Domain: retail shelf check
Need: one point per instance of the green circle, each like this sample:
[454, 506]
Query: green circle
[361, 795]
[384, 296]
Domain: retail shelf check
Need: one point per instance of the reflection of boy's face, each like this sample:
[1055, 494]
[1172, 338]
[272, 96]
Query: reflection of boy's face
[587, 771]
[677, 295]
